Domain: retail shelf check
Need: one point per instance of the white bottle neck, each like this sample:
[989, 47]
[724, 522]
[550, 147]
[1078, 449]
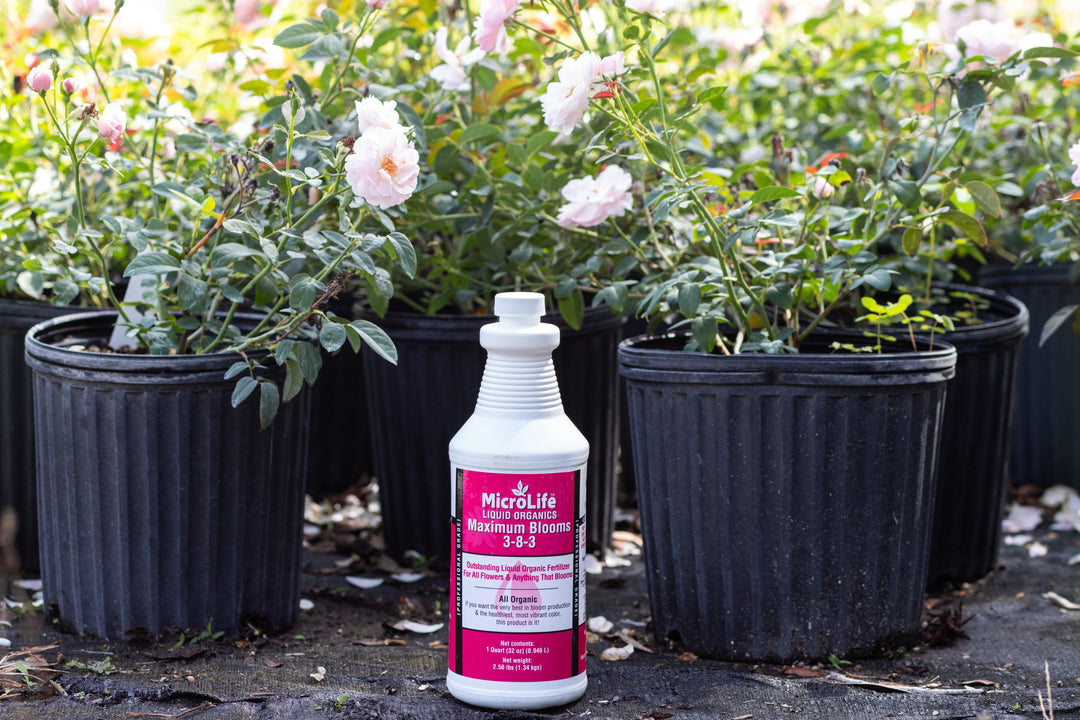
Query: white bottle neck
[519, 384]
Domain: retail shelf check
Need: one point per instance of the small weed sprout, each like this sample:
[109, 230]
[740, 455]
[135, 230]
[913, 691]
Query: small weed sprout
[340, 702]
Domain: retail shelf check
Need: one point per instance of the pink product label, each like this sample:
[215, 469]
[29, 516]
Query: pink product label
[517, 588]
[518, 514]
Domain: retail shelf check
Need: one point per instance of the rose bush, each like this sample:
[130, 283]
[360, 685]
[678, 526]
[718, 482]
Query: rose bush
[205, 226]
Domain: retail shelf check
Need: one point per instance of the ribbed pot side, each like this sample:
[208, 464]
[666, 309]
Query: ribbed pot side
[417, 405]
[1047, 418]
[18, 491]
[975, 440]
[785, 500]
[160, 505]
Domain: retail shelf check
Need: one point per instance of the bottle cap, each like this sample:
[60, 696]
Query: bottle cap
[519, 304]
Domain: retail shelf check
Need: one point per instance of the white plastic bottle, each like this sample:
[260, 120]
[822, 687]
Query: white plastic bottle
[517, 590]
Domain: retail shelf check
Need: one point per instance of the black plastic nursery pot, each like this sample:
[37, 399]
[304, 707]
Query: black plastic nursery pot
[160, 505]
[975, 438]
[786, 500]
[1046, 422]
[416, 406]
[18, 490]
[339, 454]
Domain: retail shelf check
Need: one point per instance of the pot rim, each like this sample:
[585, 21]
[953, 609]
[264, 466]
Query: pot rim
[653, 364]
[1014, 325]
[43, 353]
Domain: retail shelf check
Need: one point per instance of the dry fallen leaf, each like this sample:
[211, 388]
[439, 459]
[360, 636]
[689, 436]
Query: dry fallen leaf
[600, 624]
[614, 653]
[979, 683]
[804, 672]
[319, 674]
[371, 642]
[1037, 549]
[272, 664]
[415, 627]
[407, 577]
[363, 582]
[1062, 602]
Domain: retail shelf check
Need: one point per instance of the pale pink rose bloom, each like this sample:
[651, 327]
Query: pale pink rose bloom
[84, 8]
[39, 79]
[111, 122]
[613, 64]
[820, 187]
[246, 13]
[565, 100]
[371, 112]
[1074, 155]
[955, 14]
[73, 84]
[490, 31]
[652, 7]
[383, 167]
[377, 4]
[452, 74]
[591, 201]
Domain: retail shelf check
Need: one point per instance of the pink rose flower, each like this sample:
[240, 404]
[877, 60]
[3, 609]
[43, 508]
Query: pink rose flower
[383, 167]
[377, 4]
[452, 74]
[820, 187]
[591, 201]
[1074, 155]
[84, 8]
[111, 122]
[490, 32]
[371, 112]
[613, 64]
[565, 100]
[39, 79]
[73, 84]
[651, 7]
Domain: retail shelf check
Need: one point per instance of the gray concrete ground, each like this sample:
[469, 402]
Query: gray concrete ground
[344, 660]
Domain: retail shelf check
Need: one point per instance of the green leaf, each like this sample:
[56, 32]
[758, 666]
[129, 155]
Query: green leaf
[244, 387]
[479, 133]
[970, 94]
[912, 241]
[907, 193]
[780, 295]
[965, 224]
[376, 339]
[296, 36]
[985, 197]
[405, 252]
[881, 83]
[190, 292]
[704, 330]
[191, 143]
[294, 380]
[1055, 321]
[239, 227]
[228, 253]
[152, 263]
[309, 359]
[269, 400]
[773, 192]
[539, 140]
[235, 369]
[879, 279]
[689, 299]
[572, 309]
[1048, 52]
[332, 336]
